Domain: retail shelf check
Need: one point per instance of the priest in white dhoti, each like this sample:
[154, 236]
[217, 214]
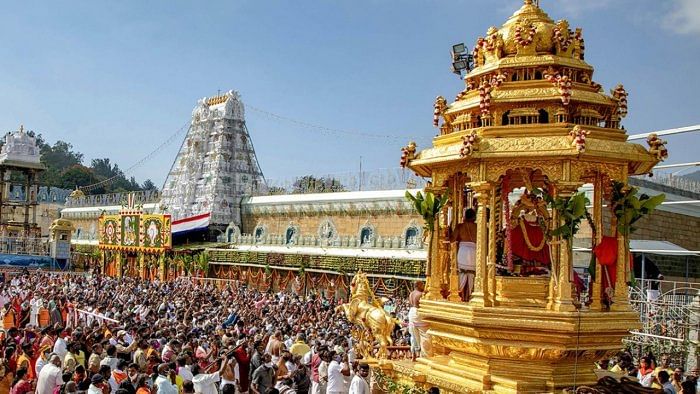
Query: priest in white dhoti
[466, 254]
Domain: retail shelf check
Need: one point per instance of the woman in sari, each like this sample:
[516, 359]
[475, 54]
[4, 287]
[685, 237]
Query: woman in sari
[55, 312]
[21, 384]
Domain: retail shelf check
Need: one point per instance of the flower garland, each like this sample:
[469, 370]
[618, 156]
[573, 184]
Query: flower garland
[578, 138]
[505, 189]
[485, 98]
[621, 95]
[525, 41]
[529, 244]
[559, 37]
[563, 83]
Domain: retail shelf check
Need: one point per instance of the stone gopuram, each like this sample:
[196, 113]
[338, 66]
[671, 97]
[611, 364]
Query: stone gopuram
[216, 165]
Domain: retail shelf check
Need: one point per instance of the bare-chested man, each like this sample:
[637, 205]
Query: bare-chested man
[466, 254]
[416, 327]
[275, 346]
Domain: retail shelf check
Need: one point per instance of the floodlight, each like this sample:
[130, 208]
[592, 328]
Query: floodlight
[459, 65]
[458, 48]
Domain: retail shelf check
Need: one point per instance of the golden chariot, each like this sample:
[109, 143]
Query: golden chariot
[530, 118]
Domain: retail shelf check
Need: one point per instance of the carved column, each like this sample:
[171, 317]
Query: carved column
[162, 271]
[495, 212]
[562, 299]
[3, 195]
[118, 266]
[434, 268]
[458, 207]
[142, 265]
[621, 297]
[27, 202]
[483, 193]
[594, 290]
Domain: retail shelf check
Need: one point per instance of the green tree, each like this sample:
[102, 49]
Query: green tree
[149, 185]
[57, 159]
[311, 184]
[77, 175]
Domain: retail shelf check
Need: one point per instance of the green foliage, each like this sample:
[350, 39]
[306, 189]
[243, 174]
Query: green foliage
[65, 169]
[311, 184]
[202, 260]
[428, 206]
[629, 208]
[571, 211]
[148, 185]
[77, 175]
[389, 385]
[104, 169]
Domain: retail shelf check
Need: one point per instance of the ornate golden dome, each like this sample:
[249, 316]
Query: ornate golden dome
[531, 90]
[77, 193]
[531, 71]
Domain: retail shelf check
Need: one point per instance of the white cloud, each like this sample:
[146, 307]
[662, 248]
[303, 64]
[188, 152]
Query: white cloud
[684, 17]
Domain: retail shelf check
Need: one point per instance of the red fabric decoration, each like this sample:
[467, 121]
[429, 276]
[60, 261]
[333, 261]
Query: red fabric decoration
[606, 251]
[535, 235]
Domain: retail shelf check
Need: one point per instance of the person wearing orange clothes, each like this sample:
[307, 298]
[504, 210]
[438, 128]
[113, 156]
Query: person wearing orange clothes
[142, 385]
[24, 361]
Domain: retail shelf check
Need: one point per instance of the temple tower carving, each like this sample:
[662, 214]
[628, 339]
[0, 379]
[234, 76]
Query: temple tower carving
[216, 165]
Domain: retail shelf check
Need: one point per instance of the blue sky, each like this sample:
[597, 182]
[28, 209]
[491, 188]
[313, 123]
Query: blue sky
[116, 79]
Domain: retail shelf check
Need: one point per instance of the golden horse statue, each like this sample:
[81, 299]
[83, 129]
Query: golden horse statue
[367, 311]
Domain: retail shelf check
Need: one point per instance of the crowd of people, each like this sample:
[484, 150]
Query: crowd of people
[650, 373]
[128, 336]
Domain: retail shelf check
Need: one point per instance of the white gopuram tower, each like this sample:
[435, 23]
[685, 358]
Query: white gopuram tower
[216, 165]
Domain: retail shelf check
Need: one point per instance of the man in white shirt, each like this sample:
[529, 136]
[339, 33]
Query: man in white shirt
[166, 380]
[336, 370]
[61, 346]
[183, 370]
[205, 383]
[50, 376]
[359, 384]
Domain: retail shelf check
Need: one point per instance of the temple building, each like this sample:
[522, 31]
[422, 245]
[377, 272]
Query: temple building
[20, 166]
[215, 167]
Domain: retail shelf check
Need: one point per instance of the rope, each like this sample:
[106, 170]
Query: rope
[149, 156]
[312, 126]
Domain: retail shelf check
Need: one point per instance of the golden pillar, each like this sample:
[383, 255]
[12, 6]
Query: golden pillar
[162, 271]
[456, 217]
[594, 291]
[562, 300]
[142, 265]
[435, 266]
[494, 214]
[620, 300]
[118, 265]
[620, 297]
[483, 192]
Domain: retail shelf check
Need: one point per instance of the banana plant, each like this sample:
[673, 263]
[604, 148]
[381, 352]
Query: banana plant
[203, 263]
[428, 207]
[571, 210]
[629, 208]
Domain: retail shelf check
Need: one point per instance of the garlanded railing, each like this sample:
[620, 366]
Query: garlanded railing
[335, 263]
[97, 200]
